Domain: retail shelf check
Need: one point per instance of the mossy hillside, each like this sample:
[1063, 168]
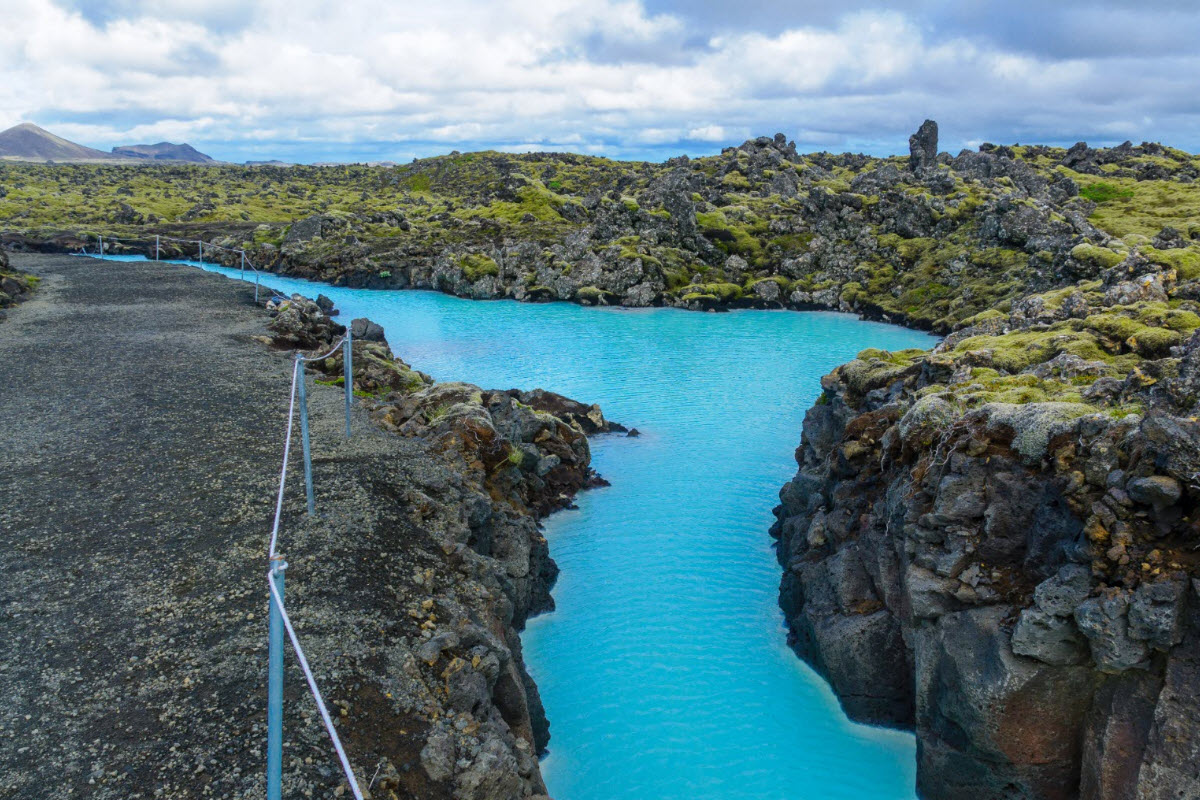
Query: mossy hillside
[848, 231]
[1127, 205]
[1116, 342]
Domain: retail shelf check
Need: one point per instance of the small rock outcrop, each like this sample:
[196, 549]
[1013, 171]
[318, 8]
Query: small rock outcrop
[923, 146]
[15, 286]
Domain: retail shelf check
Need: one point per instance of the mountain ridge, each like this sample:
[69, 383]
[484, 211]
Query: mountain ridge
[27, 142]
[164, 151]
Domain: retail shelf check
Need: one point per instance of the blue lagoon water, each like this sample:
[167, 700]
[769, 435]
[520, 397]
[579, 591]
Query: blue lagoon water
[664, 670]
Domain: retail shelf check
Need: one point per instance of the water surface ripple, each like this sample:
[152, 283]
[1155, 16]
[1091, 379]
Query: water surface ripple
[665, 671]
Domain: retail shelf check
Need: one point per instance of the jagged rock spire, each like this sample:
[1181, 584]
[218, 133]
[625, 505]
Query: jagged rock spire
[923, 146]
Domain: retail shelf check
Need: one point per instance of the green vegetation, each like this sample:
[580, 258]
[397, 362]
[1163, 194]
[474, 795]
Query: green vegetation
[477, 265]
[857, 233]
[1141, 207]
[719, 291]
[1103, 192]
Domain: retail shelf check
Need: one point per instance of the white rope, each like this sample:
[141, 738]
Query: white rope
[287, 449]
[336, 347]
[274, 292]
[298, 374]
[312, 684]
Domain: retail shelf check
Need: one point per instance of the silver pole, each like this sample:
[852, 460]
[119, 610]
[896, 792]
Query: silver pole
[243, 275]
[156, 247]
[101, 247]
[275, 686]
[303, 398]
[201, 252]
[348, 377]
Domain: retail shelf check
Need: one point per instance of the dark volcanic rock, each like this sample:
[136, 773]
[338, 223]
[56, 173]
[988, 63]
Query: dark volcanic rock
[587, 418]
[366, 330]
[1009, 580]
[922, 146]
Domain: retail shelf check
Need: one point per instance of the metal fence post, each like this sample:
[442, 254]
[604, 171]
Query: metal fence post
[156, 248]
[303, 398]
[255, 285]
[101, 247]
[243, 275]
[201, 252]
[348, 375]
[275, 685]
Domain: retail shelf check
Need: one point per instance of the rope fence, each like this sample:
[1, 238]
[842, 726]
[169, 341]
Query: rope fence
[279, 623]
[200, 245]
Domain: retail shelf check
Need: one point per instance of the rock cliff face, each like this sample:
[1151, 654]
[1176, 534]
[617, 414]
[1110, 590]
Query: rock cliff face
[516, 456]
[995, 544]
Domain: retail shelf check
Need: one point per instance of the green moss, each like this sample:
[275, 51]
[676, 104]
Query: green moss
[1142, 207]
[1185, 261]
[984, 316]
[1013, 352]
[1100, 257]
[478, 265]
[733, 237]
[720, 291]
[418, 183]
[1103, 192]
[897, 357]
[1161, 316]
[590, 294]
[1154, 342]
[874, 368]
[736, 181]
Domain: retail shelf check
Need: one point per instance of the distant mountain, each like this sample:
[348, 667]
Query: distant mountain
[28, 142]
[164, 151]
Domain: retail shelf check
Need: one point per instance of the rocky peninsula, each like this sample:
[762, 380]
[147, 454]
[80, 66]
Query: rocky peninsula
[135, 497]
[995, 545]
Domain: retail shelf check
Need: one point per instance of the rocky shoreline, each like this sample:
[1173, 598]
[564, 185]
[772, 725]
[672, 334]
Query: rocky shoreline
[408, 590]
[994, 544]
[520, 456]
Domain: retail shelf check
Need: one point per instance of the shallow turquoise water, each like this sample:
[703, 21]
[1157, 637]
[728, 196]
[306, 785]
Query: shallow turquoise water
[664, 670]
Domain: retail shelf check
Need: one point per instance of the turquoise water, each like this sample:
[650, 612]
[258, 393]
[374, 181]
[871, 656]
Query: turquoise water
[664, 670]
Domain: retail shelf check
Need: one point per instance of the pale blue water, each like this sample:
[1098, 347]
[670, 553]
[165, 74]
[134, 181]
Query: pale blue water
[665, 671]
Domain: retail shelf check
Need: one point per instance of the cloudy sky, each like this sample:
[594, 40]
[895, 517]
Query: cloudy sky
[309, 80]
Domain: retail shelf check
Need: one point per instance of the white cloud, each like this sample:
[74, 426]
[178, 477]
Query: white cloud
[709, 133]
[522, 73]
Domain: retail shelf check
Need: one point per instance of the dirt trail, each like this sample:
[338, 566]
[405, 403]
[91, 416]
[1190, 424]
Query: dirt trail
[141, 431]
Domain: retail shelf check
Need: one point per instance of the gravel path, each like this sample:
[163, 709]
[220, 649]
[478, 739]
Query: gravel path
[141, 431]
